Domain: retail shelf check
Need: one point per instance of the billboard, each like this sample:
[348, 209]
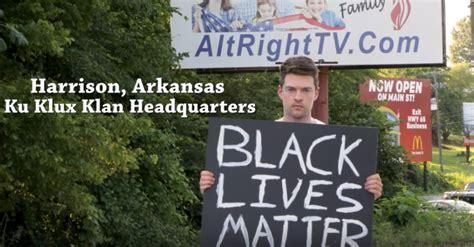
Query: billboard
[406, 102]
[253, 34]
[468, 117]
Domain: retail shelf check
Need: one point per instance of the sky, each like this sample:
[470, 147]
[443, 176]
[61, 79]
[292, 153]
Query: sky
[454, 11]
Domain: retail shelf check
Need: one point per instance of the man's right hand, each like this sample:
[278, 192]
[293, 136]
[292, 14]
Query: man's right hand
[206, 180]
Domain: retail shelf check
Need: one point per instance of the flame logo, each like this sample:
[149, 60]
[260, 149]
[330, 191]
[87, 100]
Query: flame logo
[400, 13]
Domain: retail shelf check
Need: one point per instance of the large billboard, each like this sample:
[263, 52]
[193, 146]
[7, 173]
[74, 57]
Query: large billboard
[253, 34]
[406, 102]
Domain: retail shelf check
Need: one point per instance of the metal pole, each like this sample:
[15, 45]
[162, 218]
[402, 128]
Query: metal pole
[472, 31]
[440, 149]
[425, 177]
[468, 148]
[321, 106]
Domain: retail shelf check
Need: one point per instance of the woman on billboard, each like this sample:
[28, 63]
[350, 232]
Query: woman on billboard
[215, 16]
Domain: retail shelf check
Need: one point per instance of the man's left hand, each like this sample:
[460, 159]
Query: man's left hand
[373, 184]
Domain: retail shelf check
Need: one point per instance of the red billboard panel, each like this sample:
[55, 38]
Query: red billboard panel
[469, 141]
[407, 102]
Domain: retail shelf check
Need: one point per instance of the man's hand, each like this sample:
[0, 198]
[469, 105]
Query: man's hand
[373, 184]
[206, 180]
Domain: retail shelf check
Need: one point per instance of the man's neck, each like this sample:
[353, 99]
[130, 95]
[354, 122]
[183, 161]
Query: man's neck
[309, 120]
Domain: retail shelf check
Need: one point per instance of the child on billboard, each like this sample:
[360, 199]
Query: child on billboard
[315, 15]
[266, 10]
[317, 10]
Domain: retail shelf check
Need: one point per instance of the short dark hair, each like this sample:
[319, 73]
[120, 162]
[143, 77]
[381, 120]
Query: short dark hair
[299, 65]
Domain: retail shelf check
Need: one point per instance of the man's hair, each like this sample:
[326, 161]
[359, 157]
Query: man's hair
[299, 66]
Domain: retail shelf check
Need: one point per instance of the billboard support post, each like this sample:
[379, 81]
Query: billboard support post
[320, 106]
[468, 149]
[425, 177]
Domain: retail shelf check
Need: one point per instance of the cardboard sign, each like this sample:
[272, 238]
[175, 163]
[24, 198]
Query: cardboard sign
[408, 103]
[249, 34]
[288, 184]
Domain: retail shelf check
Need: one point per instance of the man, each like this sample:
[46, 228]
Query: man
[298, 89]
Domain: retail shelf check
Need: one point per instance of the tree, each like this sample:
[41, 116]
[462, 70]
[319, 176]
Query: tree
[97, 179]
[461, 44]
[459, 88]
[121, 179]
[345, 109]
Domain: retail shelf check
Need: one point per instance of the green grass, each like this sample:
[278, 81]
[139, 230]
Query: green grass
[428, 229]
[455, 167]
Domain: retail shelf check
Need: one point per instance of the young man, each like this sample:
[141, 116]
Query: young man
[298, 89]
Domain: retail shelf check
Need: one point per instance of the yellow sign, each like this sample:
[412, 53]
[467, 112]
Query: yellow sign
[417, 143]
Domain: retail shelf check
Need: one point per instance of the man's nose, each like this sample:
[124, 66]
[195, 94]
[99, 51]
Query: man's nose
[298, 95]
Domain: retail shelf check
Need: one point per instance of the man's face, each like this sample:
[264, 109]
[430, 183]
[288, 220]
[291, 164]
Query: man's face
[297, 95]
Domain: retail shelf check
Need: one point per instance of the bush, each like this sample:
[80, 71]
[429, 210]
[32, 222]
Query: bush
[437, 182]
[401, 221]
[399, 210]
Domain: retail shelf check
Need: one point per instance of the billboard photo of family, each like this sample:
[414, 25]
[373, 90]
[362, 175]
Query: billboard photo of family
[212, 16]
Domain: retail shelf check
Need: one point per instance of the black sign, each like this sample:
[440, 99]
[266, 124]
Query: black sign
[288, 184]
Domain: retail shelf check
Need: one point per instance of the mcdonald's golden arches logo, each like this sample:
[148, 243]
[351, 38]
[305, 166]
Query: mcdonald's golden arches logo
[417, 143]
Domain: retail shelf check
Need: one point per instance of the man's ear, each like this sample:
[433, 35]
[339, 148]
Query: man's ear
[280, 91]
[316, 94]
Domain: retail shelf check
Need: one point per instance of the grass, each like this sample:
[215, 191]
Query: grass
[429, 228]
[455, 167]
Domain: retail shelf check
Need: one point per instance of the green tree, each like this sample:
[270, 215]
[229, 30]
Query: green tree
[121, 179]
[345, 108]
[71, 179]
[459, 88]
[461, 43]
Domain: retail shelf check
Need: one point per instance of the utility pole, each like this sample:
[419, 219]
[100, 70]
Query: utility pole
[425, 177]
[438, 130]
[436, 86]
[472, 33]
